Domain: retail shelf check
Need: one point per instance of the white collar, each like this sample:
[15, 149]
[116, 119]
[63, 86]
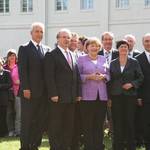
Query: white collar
[109, 52]
[63, 50]
[35, 43]
[147, 53]
[131, 53]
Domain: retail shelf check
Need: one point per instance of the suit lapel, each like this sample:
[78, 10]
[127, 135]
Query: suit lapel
[145, 59]
[34, 50]
[117, 65]
[63, 59]
[101, 52]
[127, 65]
[113, 55]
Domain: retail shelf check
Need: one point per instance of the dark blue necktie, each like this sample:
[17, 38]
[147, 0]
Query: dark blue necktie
[40, 51]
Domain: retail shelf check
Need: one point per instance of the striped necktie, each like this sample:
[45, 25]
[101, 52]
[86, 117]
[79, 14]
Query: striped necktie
[69, 59]
[107, 56]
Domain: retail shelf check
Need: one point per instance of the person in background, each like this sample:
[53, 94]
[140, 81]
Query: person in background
[81, 43]
[73, 45]
[144, 94]
[94, 74]
[107, 49]
[132, 41]
[14, 108]
[125, 78]
[5, 85]
[110, 54]
[76, 142]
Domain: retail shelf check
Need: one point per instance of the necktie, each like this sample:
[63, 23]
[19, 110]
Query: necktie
[107, 56]
[149, 59]
[69, 59]
[40, 51]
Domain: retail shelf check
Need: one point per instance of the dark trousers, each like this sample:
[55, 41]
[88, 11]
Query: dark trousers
[138, 126]
[93, 116]
[146, 124]
[11, 116]
[77, 141]
[61, 125]
[123, 116]
[33, 113]
[3, 124]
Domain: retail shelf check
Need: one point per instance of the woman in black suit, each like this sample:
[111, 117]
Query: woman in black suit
[5, 84]
[126, 77]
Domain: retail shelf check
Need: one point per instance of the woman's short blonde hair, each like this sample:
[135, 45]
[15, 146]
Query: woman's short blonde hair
[93, 40]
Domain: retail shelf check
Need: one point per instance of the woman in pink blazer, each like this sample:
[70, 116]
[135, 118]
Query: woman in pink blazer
[94, 75]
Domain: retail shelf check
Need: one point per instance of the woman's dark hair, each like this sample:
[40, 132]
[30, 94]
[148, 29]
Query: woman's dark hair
[119, 43]
[10, 52]
[83, 39]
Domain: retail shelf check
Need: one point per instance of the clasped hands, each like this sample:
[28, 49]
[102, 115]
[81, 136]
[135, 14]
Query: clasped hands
[127, 86]
[96, 76]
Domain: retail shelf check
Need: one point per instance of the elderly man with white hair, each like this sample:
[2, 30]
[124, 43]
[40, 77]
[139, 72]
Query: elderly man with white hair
[144, 95]
[63, 86]
[33, 96]
[131, 41]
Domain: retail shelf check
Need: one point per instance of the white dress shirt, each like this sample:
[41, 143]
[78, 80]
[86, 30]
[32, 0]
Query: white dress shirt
[64, 51]
[147, 55]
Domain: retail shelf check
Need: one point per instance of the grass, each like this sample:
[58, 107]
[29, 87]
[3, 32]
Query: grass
[14, 144]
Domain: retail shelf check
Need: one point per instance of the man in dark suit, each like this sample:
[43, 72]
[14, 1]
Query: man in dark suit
[33, 96]
[144, 95]
[107, 50]
[131, 41]
[63, 86]
[138, 114]
[110, 54]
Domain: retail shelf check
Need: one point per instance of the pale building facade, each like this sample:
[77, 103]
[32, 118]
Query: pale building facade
[86, 17]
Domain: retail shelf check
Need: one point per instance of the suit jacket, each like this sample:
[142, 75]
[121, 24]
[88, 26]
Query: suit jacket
[31, 72]
[90, 88]
[145, 87]
[135, 54]
[132, 73]
[61, 80]
[5, 85]
[115, 53]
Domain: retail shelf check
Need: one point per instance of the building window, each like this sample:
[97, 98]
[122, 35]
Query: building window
[26, 5]
[147, 3]
[4, 6]
[61, 5]
[86, 4]
[122, 3]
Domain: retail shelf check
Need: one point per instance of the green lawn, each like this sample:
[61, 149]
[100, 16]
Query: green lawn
[13, 144]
